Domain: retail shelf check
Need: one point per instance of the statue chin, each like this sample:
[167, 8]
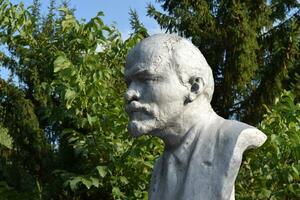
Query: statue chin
[138, 128]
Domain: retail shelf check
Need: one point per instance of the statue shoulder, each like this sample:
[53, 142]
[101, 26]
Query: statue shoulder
[246, 136]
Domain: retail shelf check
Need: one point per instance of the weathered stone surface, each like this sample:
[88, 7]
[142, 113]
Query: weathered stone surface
[170, 86]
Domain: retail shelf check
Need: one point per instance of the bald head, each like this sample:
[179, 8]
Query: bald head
[177, 53]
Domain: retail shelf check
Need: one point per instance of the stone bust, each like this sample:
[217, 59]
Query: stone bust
[170, 86]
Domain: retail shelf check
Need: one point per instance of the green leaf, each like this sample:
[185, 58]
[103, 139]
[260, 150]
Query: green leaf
[87, 183]
[70, 94]
[89, 119]
[73, 183]
[95, 182]
[264, 194]
[102, 171]
[117, 192]
[5, 139]
[123, 180]
[60, 63]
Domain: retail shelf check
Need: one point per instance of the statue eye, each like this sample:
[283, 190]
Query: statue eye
[149, 79]
[127, 82]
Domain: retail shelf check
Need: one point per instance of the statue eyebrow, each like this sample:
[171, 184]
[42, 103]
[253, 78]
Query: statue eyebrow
[142, 72]
[139, 74]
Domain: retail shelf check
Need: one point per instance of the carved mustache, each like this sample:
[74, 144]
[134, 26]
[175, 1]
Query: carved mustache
[135, 106]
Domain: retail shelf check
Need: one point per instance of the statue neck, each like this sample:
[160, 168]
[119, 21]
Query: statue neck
[196, 112]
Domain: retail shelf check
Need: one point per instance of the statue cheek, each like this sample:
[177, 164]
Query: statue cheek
[154, 94]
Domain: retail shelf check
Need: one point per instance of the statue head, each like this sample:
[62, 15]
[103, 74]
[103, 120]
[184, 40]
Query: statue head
[164, 74]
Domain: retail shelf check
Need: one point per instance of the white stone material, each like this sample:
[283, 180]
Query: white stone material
[170, 86]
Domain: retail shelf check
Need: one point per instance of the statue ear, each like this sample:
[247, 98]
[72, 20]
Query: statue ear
[196, 88]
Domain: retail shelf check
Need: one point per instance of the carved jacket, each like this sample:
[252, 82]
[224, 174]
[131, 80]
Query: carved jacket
[205, 164]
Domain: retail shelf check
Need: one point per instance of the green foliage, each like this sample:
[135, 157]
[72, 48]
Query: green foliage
[251, 46]
[273, 171]
[136, 25]
[5, 139]
[66, 116]
[92, 94]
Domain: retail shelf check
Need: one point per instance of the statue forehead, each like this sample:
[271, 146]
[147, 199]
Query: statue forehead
[148, 55]
[156, 48]
[157, 53]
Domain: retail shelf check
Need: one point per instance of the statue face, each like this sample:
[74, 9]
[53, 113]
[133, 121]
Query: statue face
[155, 95]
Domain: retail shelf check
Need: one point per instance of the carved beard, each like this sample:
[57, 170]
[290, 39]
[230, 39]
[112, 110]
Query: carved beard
[143, 118]
[142, 127]
[142, 123]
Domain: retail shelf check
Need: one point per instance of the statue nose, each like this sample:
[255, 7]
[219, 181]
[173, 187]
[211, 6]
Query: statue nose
[132, 95]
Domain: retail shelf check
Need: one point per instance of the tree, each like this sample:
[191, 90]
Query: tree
[273, 172]
[252, 47]
[65, 116]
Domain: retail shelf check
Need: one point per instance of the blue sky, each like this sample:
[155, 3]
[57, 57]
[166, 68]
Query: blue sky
[115, 11]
